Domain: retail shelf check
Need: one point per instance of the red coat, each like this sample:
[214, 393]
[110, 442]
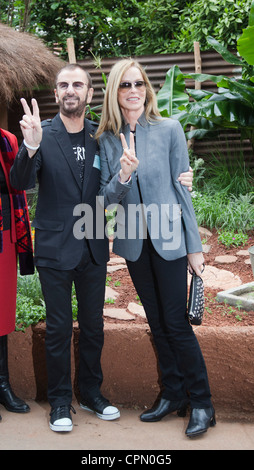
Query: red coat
[15, 241]
[20, 224]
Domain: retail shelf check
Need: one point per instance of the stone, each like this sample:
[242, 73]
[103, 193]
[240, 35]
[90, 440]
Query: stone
[137, 309]
[206, 248]
[111, 269]
[242, 296]
[243, 253]
[218, 278]
[117, 260]
[118, 314]
[225, 259]
[111, 293]
[204, 232]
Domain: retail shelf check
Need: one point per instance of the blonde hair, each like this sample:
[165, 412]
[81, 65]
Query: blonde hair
[111, 117]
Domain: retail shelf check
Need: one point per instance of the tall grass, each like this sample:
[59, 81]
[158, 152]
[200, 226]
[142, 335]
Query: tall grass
[223, 195]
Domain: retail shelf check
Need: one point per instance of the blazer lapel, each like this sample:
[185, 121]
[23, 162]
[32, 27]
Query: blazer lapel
[64, 142]
[91, 147]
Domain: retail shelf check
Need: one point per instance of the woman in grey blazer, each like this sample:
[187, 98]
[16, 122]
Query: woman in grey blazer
[156, 232]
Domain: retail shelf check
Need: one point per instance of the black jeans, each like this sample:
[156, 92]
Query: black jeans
[162, 288]
[89, 280]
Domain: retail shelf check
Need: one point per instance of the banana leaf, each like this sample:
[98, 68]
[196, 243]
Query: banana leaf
[222, 50]
[245, 43]
[224, 113]
[172, 94]
[241, 88]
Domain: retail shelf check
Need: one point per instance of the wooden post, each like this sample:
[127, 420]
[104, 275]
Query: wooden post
[198, 69]
[71, 51]
[198, 64]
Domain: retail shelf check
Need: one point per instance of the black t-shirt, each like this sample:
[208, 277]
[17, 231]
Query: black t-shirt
[78, 144]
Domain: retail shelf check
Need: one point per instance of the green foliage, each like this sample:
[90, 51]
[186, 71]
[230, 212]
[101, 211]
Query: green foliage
[222, 19]
[28, 313]
[30, 287]
[128, 27]
[223, 196]
[30, 304]
[172, 95]
[230, 238]
[231, 108]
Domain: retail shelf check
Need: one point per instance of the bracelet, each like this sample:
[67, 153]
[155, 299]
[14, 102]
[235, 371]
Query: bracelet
[29, 146]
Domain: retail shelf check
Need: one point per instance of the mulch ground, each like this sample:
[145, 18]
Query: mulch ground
[216, 313]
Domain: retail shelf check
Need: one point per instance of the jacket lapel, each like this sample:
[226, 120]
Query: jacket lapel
[91, 147]
[64, 142]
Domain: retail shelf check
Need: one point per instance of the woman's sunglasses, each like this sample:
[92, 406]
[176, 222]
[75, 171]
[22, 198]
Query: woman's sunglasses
[125, 86]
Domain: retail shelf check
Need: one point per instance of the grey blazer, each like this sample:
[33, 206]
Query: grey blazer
[153, 200]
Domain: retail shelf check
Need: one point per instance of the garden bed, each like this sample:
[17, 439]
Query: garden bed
[216, 313]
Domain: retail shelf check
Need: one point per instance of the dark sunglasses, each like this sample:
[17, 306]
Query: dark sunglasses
[125, 86]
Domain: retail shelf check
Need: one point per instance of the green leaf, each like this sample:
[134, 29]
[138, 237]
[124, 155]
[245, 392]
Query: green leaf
[172, 94]
[228, 56]
[245, 45]
[251, 17]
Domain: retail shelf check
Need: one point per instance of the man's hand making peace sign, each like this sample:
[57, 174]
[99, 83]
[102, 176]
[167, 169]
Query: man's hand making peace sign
[31, 127]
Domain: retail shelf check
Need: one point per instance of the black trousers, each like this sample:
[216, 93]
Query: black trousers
[162, 288]
[89, 280]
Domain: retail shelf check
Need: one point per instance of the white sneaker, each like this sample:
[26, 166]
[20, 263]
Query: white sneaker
[101, 407]
[60, 418]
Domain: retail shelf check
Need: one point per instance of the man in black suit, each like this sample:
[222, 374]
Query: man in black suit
[63, 154]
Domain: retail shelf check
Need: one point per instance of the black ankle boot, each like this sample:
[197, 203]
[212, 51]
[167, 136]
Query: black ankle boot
[7, 397]
[200, 420]
[163, 408]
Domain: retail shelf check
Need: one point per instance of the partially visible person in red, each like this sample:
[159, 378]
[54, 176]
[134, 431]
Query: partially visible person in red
[15, 244]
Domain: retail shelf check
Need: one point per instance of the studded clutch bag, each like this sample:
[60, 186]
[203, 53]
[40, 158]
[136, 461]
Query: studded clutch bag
[196, 300]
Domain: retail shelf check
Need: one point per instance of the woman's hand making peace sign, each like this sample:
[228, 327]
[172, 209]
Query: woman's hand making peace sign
[128, 160]
[31, 126]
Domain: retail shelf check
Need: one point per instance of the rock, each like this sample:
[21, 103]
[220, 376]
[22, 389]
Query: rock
[225, 259]
[118, 314]
[219, 278]
[243, 253]
[137, 309]
[110, 293]
[247, 261]
[204, 232]
[117, 260]
[111, 269]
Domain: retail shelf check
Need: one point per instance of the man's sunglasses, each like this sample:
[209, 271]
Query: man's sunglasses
[125, 86]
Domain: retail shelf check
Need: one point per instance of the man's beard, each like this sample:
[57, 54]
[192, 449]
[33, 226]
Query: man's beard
[72, 111]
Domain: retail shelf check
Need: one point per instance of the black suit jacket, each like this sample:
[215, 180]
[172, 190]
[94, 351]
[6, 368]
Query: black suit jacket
[60, 195]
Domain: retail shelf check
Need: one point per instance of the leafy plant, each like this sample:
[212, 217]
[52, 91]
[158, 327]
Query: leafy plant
[231, 108]
[221, 211]
[28, 313]
[30, 287]
[229, 238]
